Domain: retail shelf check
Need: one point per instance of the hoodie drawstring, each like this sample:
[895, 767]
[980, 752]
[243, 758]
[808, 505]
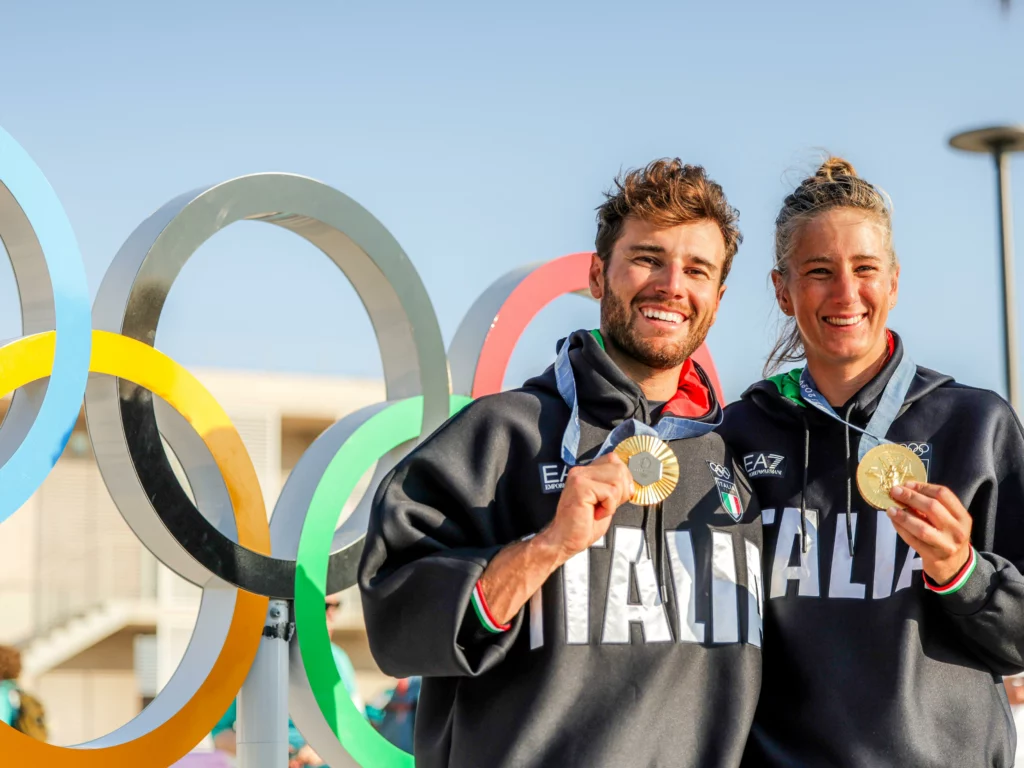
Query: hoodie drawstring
[805, 540]
[659, 546]
[659, 529]
[849, 486]
[643, 526]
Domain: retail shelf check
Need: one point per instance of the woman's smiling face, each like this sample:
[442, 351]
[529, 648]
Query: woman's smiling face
[840, 283]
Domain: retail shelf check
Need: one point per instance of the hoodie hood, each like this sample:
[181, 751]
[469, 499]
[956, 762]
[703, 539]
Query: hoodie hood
[606, 394]
[784, 390]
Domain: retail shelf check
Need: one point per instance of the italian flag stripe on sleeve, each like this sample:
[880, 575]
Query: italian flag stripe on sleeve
[484, 613]
[732, 502]
[958, 581]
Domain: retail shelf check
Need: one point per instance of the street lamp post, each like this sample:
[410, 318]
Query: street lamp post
[1000, 142]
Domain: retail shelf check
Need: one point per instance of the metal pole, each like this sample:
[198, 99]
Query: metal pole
[1002, 159]
[262, 740]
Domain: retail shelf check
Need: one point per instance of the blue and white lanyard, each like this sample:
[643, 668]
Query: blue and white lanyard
[667, 428]
[885, 414]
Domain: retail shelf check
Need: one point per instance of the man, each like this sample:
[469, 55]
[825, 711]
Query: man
[299, 752]
[555, 623]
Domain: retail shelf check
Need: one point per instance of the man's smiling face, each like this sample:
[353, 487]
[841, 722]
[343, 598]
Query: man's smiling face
[660, 289]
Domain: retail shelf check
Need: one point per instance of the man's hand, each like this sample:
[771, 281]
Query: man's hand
[936, 526]
[592, 494]
[590, 498]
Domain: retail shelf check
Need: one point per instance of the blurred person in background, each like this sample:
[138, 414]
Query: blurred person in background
[1015, 693]
[868, 663]
[19, 709]
[393, 714]
[224, 733]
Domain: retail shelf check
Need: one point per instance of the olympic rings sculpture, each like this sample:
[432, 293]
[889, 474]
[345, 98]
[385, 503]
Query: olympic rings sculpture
[134, 395]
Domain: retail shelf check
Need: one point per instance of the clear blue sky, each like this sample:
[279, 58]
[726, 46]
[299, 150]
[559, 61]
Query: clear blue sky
[482, 136]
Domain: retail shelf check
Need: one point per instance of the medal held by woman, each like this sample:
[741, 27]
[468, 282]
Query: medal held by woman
[885, 467]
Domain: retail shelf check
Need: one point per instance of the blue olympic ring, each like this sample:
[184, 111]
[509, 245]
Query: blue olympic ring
[26, 195]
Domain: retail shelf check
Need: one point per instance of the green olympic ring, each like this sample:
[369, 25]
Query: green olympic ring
[398, 423]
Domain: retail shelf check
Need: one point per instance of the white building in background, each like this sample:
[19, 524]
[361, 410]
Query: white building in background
[101, 624]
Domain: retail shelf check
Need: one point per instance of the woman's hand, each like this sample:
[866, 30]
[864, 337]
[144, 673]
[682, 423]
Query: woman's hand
[936, 526]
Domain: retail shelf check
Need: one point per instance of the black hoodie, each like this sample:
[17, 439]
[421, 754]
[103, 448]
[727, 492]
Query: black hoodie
[862, 665]
[591, 673]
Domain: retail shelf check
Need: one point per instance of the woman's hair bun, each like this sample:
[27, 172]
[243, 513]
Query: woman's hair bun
[833, 168]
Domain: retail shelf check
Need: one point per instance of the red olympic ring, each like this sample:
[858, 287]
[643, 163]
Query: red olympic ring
[558, 277]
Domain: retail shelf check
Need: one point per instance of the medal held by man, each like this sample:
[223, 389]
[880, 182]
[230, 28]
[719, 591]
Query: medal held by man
[654, 468]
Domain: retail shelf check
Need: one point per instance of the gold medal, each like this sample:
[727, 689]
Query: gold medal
[654, 467]
[883, 468]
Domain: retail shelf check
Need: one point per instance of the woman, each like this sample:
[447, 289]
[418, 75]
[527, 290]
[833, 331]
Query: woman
[866, 661]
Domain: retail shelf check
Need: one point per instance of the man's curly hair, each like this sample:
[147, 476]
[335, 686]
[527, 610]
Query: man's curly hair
[667, 193]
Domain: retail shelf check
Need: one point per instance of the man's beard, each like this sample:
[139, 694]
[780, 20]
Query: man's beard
[615, 321]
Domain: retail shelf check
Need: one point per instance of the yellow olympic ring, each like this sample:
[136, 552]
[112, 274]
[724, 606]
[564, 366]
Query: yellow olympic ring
[30, 359]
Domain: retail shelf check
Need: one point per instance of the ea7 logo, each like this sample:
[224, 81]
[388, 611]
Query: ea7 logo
[552, 477]
[923, 451]
[764, 464]
[727, 490]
